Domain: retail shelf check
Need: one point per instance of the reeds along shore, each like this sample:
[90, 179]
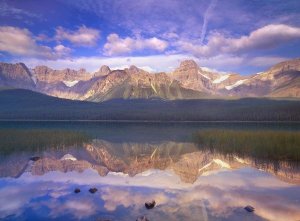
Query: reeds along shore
[261, 144]
[38, 139]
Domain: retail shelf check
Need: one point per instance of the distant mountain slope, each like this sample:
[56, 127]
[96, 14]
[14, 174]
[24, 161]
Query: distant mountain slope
[281, 80]
[188, 81]
[24, 104]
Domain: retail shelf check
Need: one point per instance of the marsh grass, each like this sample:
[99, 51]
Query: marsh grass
[38, 139]
[261, 145]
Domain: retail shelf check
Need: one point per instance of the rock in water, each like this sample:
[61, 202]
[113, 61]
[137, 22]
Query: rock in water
[68, 157]
[35, 158]
[150, 205]
[77, 190]
[142, 218]
[249, 208]
[93, 190]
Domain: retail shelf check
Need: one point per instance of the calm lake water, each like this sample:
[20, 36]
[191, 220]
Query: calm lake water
[131, 163]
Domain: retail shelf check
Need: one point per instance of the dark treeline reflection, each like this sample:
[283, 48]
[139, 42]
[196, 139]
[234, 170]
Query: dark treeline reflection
[144, 131]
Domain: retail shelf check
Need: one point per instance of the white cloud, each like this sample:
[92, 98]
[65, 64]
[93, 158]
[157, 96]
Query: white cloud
[267, 37]
[266, 61]
[21, 42]
[116, 45]
[220, 62]
[82, 37]
[13, 12]
[62, 51]
[17, 41]
[155, 63]
[212, 70]
[91, 64]
[145, 68]
[206, 17]
[170, 35]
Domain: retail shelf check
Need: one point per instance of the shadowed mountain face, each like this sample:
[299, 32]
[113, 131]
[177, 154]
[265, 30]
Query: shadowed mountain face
[188, 81]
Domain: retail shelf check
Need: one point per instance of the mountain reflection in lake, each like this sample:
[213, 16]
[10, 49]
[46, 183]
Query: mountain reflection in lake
[130, 164]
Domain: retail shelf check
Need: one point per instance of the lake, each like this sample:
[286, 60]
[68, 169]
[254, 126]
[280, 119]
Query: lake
[193, 171]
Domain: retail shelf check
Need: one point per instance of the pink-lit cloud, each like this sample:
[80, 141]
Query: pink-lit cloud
[116, 45]
[83, 36]
[267, 37]
[21, 42]
[18, 41]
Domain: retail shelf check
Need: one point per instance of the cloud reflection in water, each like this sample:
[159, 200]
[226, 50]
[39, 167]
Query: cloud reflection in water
[218, 196]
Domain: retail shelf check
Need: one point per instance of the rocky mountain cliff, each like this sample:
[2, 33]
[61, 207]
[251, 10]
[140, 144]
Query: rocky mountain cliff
[136, 83]
[16, 75]
[188, 81]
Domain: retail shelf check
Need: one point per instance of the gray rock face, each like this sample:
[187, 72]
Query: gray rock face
[48, 75]
[16, 75]
[104, 70]
[189, 74]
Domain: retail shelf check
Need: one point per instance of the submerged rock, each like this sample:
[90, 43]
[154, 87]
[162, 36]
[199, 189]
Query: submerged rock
[142, 218]
[93, 190]
[68, 157]
[77, 190]
[249, 208]
[35, 158]
[150, 205]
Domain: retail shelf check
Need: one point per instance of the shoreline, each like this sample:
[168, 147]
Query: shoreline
[142, 121]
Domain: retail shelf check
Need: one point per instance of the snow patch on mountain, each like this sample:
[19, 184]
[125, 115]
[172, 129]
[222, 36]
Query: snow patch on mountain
[204, 75]
[32, 76]
[221, 79]
[213, 70]
[70, 83]
[238, 83]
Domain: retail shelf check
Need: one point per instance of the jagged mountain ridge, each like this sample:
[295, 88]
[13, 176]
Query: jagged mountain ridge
[188, 81]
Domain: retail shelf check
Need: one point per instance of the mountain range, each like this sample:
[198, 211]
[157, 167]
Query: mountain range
[188, 81]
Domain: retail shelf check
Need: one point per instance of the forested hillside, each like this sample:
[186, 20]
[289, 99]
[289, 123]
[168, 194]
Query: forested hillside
[25, 104]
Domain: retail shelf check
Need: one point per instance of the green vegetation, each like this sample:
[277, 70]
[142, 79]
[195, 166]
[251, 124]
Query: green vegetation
[264, 145]
[27, 105]
[3, 88]
[36, 140]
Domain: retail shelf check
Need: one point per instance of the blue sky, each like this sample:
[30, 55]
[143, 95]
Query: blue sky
[227, 35]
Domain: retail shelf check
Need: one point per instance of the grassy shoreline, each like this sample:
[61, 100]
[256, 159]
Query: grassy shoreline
[264, 145]
[38, 139]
